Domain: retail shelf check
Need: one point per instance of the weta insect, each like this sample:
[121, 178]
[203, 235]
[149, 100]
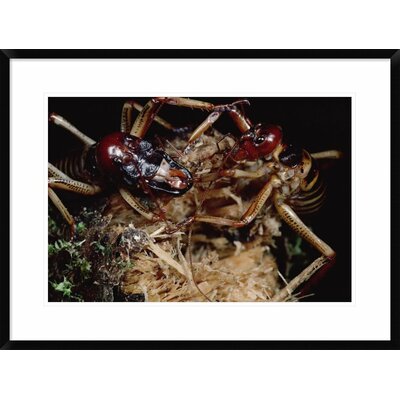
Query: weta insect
[292, 180]
[124, 159]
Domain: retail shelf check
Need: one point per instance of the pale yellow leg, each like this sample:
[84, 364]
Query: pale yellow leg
[74, 186]
[63, 211]
[328, 154]
[60, 180]
[135, 204]
[292, 219]
[126, 117]
[250, 213]
[61, 121]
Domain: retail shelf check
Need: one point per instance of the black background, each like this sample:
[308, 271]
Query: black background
[314, 123]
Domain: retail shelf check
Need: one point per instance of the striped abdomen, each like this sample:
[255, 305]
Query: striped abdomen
[311, 194]
[79, 165]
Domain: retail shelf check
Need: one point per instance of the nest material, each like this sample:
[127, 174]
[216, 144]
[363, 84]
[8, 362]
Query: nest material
[219, 263]
[156, 261]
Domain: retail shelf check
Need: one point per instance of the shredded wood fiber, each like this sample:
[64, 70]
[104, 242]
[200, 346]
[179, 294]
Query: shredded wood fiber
[220, 263]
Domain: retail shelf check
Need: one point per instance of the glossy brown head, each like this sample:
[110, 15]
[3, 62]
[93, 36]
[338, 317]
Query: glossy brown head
[131, 161]
[260, 141]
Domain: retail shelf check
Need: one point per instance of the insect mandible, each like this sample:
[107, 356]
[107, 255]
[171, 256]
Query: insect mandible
[124, 159]
[292, 181]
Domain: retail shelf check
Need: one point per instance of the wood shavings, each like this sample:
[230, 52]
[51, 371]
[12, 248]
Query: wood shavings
[228, 265]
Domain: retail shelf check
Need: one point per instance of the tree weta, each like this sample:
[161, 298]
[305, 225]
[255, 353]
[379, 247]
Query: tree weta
[292, 181]
[124, 159]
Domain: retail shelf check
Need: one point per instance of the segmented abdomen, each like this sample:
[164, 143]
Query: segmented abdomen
[75, 166]
[312, 192]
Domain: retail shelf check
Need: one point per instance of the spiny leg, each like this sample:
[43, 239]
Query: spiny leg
[152, 107]
[301, 278]
[293, 220]
[58, 176]
[74, 186]
[62, 181]
[126, 117]
[58, 120]
[63, 211]
[327, 260]
[55, 172]
[240, 120]
[204, 126]
[217, 111]
[145, 118]
[234, 173]
[136, 205]
[238, 173]
[186, 102]
[149, 112]
[252, 211]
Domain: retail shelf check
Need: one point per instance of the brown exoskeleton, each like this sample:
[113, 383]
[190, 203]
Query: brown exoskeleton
[124, 159]
[293, 184]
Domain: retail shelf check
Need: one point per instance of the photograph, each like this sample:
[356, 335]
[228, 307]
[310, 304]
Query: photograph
[199, 199]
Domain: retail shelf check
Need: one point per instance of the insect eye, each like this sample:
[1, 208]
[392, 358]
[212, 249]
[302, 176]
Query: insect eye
[259, 140]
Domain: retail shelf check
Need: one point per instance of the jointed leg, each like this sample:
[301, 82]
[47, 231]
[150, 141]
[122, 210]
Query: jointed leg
[136, 205]
[74, 186]
[291, 218]
[145, 118]
[238, 118]
[242, 122]
[60, 180]
[63, 210]
[149, 113]
[186, 102]
[55, 172]
[126, 117]
[150, 110]
[233, 173]
[58, 120]
[204, 126]
[250, 213]
[238, 173]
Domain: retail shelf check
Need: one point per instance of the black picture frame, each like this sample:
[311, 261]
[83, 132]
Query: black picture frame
[7, 55]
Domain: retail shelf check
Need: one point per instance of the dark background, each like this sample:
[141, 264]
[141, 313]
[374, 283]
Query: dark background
[314, 123]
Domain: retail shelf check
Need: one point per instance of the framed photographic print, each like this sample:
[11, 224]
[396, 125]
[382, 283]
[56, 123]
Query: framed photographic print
[200, 199]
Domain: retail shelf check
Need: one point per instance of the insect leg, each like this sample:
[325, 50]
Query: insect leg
[135, 204]
[292, 219]
[74, 186]
[58, 120]
[145, 118]
[186, 102]
[63, 210]
[328, 154]
[204, 126]
[249, 214]
[62, 181]
[126, 117]
[238, 173]
[152, 107]
[233, 173]
[58, 176]
[304, 276]
[240, 120]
